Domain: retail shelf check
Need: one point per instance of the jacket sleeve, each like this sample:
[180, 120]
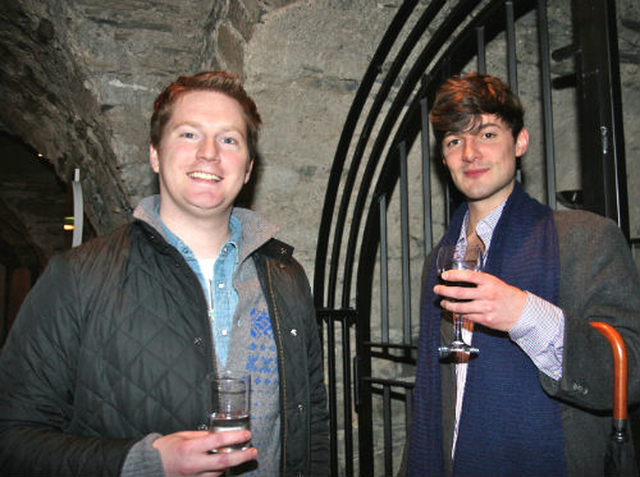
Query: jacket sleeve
[599, 282]
[37, 372]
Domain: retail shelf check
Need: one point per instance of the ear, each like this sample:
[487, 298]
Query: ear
[522, 142]
[444, 162]
[247, 174]
[153, 159]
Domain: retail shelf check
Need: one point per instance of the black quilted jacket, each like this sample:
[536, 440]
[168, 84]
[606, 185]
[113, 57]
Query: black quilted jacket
[121, 350]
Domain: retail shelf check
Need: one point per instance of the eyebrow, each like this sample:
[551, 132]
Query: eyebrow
[183, 124]
[195, 124]
[475, 130]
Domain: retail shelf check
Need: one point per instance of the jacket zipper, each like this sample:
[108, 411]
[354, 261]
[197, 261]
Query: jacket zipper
[212, 346]
[214, 361]
[283, 379]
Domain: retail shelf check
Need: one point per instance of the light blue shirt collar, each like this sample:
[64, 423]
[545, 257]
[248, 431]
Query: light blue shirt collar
[221, 296]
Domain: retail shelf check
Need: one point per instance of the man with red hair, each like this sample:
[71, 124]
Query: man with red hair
[105, 369]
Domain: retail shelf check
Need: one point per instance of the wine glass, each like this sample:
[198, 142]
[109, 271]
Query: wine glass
[452, 258]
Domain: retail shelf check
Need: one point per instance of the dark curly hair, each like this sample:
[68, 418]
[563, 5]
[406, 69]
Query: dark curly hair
[461, 100]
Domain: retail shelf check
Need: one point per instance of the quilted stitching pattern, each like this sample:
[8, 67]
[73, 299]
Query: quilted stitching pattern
[146, 342]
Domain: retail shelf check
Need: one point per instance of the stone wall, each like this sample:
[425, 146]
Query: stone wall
[303, 67]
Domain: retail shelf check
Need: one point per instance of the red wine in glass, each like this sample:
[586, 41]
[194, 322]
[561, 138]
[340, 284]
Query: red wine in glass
[452, 258]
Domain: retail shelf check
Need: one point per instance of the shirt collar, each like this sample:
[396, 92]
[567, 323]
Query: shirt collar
[484, 228]
[235, 240]
[235, 227]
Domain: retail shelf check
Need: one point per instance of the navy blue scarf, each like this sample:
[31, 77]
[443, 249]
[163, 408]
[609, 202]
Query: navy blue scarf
[509, 426]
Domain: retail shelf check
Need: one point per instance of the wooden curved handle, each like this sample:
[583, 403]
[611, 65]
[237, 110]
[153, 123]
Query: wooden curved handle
[619, 351]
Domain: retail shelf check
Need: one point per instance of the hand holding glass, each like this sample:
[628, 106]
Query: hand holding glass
[450, 258]
[231, 407]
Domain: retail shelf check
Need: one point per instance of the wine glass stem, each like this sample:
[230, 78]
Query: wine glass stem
[457, 326]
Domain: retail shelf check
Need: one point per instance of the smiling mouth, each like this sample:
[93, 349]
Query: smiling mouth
[204, 176]
[474, 172]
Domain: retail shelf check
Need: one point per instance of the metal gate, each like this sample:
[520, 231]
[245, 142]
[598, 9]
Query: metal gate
[387, 201]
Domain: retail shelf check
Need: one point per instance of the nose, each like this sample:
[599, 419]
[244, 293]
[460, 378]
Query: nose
[208, 149]
[470, 151]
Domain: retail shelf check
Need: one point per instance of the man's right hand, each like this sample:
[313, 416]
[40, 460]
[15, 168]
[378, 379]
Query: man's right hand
[187, 453]
[491, 303]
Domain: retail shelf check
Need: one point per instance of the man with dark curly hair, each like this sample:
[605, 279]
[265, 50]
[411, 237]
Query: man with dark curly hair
[536, 400]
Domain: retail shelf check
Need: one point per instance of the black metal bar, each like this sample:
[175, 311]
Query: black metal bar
[426, 178]
[385, 355]
[346, 317]
[365, 404]
[332, 395]
[604, 180]
[394, 395]
[408, 410]
[356, 380]
[565, 52]
[512, 60]
[405, 246]
[388, 438]
[482, 52]
[390, 382]
[384, 272]
[347, 384]
[374, 344]
[547, 108]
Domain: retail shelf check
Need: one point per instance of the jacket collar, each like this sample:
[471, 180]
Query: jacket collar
[256, 230]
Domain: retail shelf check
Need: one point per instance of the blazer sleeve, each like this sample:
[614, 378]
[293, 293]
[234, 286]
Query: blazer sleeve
[599, 282]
